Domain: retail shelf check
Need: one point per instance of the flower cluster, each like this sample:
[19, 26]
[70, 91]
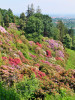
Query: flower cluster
[12, 61]
[58, 58]
[33, 56]
[2, 29]
[15, 61]
[54, 44]
[46, 62]
[59, 53]
[9, 73]
[38, 73]
[48, 53]
[31, 43]
[37, 43]
[37, 64]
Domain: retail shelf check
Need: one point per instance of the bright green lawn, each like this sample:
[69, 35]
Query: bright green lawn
[71, 60]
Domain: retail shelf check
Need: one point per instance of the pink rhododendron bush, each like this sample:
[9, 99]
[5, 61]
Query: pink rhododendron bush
[46, 60]
[2, 29]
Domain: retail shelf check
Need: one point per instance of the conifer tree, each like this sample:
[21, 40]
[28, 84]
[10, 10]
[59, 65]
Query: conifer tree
[38, 10]
[6, 20]
[1, 19]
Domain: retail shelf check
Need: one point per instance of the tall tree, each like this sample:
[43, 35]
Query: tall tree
[61, 27]
[38, 10]
[11, 16]
[1, 19]
[23, 17]
[6, 20]
[47, 24]
[32, 9]
[28, 11]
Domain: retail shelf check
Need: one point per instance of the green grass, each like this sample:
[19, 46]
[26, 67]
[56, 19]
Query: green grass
[70, 64]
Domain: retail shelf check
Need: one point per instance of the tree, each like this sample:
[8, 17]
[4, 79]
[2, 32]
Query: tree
[38, 10]
[47, 24]
[34, 25]
[22, 24]
[71, 33]
[23, 17]
[11, 16]
[67, 41]
[54, 33]
[30, 10]
[6, 20]
[1, 19]
[61, 27]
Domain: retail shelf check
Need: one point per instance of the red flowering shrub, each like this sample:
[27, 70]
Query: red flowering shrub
[58, 58]
[48, 53]
[38, 73]
[33, 56]
[37, 43]
[15, 61]
[37, 64]
[4, 58]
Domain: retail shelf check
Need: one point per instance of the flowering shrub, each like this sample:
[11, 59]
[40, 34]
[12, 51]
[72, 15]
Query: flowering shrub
[37, 43]
[12, 61]
[38, 73]
[59, 53]
[4, 58]
[48, 53]
[9, 73]
[37, 64]
[2, 29]
[15, 61]
[33, 56]
[58, 58]
[54, 44]
[31, 43]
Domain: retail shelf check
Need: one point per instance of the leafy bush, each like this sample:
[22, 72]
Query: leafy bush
[20, 91]
[67, 41]
[27, 87]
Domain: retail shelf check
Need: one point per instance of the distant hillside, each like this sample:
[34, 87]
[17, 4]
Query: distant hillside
[69, 22]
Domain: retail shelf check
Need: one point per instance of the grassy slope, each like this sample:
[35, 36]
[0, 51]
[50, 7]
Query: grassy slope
[71, 61]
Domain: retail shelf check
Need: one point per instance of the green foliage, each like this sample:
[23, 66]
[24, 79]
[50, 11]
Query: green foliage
[62, 95]
[34, 25]
[54, 33]
[70, 64]
[6, 20]
[24, 49]
[22, 24]
[27, 87]
[67, 41]
[8, 94]
[22, 16]
[1, 19]
[20, 91]
[35, 37]
[61, 27]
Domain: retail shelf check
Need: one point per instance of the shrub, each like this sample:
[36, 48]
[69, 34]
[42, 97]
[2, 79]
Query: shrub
[27, 87]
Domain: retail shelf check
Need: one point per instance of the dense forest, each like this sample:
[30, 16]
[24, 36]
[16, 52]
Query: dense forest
[37, 58]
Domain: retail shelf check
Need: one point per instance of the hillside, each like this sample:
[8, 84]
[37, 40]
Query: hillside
[20, 59]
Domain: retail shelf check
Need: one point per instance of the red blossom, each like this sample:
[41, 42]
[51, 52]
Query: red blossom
[58, 58]
[38, 73]
[4, 58]
[48, 53]
[37, 43]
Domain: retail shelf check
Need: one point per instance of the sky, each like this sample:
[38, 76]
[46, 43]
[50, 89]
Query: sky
[53, 7]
